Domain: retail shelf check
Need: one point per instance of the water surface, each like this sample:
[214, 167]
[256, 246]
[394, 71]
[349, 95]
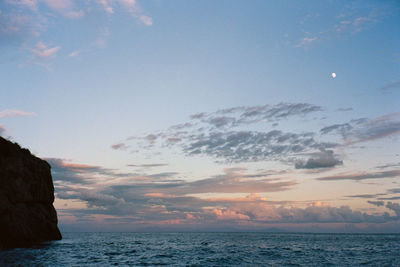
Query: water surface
[210, 249]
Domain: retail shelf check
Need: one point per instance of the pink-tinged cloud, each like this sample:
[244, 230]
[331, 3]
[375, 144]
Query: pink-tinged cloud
[43, 52]
[134, 9]
[307, 41]
[59, 4]
[15, 27]
[107, 5]
[74, 14]
[226, 214]
[30, 4]
[15, 113]
[65, 7]
[146, 20]
[74, 53]
[156, 200]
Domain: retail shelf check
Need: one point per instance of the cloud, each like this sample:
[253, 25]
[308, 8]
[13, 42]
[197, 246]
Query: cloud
[66, 8]
[151, 165]
[380, 196]
[220, 134]
[389, 87]
[16, 27]
[74, 53]
[15, 113]
[245, 115]
[73, 173]
[248, 146]
[357, 24]
[389, 198]
[363, 130]
[345, 109]
[394, 191]
[22, 20]
[146, 20]
[94, 199]
[234, 181]
[316, 212]
[379, 127]
[395, 207]
[43, 52]
[376, 203]
[362, 176]
[323, 159]
[162, 175]
[306, 41]
[148, 200]
[365, 195]
[352, 20]
[231, 182]
[107, 5]
[389, 165]
[101, 41]
[136, 11]
[119, 146]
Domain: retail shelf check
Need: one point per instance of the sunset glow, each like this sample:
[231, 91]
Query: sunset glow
[208, 115]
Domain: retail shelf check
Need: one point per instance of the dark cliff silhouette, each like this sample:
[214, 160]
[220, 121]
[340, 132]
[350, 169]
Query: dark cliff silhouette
[27, 215]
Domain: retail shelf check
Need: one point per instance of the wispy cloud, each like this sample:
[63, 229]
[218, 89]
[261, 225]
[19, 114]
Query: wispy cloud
[389, 165]
[376, 203]
[306, 41]
[21, 20]
[44, 52]
[119, 146]
[136, 11]
[362, 176]
[66, 8]
[107, 5]
[83, 174]
[350, 21]
[357, 24]
[390, 87]
[16, 27]
[15, 113]
[151, 165]
[345, 109]
[74, 53]
[363, 130]
[101, 41]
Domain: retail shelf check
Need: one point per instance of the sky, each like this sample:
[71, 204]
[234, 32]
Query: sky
[208, 115]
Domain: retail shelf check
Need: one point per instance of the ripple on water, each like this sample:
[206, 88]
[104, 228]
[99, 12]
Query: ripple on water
[209, 249]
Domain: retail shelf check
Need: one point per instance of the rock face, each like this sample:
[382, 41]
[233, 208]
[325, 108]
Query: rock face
[27, 215]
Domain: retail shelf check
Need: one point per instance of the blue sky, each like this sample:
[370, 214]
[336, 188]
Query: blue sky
[108, 92]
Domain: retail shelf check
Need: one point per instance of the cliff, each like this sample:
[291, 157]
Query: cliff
[27, 215]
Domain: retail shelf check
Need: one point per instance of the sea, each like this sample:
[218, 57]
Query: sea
[210, 249]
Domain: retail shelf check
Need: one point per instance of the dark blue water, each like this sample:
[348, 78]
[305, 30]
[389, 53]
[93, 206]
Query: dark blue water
[210, 249]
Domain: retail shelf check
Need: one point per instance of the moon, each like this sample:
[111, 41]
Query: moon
[333, 75]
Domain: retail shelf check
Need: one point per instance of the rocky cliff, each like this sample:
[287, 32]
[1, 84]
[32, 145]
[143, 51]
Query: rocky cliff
[27, 215]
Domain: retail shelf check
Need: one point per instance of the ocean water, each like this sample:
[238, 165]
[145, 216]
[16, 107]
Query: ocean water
[210, 249]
